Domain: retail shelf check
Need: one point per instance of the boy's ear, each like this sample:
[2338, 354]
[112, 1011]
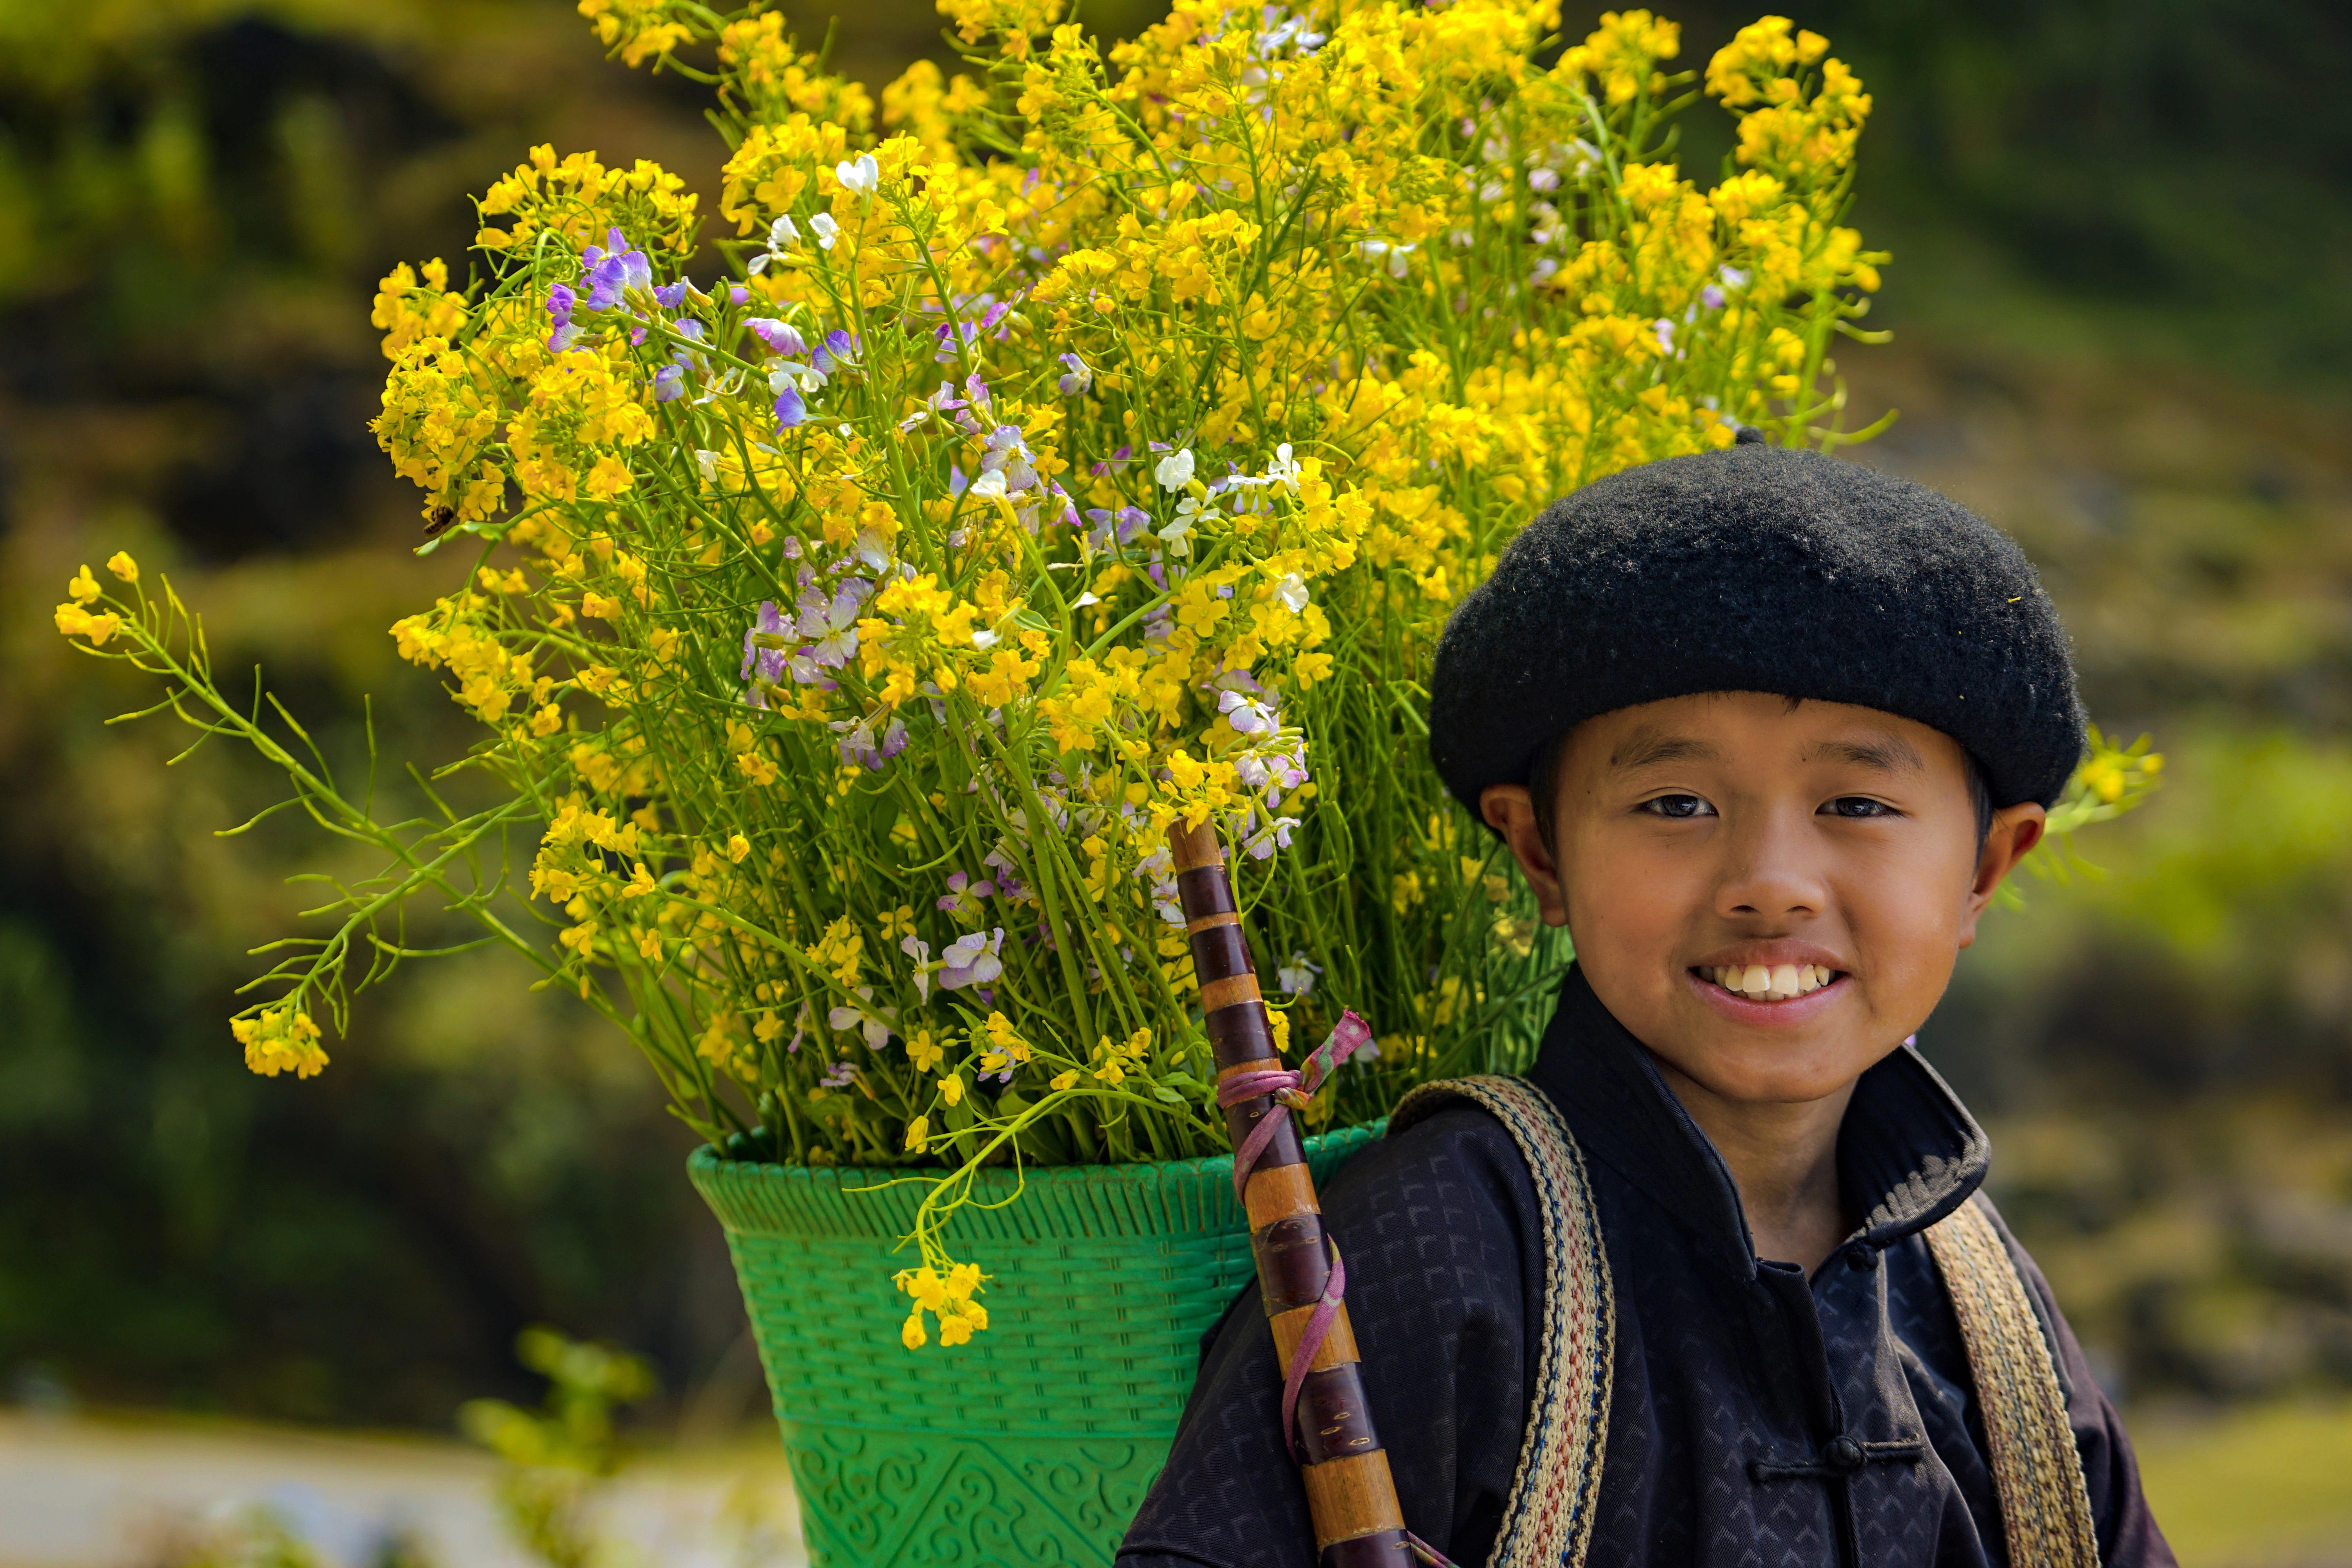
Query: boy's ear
[2015, 830]
[1510, 811]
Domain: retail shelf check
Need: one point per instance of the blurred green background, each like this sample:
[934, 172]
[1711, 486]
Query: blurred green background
[2122, 296]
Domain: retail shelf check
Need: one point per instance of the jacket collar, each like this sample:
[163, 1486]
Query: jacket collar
[1908, 1150]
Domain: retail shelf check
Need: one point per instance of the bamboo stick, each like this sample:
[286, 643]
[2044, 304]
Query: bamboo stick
[1349, 1491]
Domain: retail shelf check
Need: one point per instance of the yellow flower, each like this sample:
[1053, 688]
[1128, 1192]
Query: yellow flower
[1062, 1081]
[77, 621]
[82, 586]
[952, 1089]
[925, 1053]
[278, 1040]
[919, 1134]
[737, 848]
[121, 565]
[911, 1333]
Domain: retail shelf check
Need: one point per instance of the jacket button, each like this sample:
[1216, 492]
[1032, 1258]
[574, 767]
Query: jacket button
[1843, 1454]
[1862, 1257]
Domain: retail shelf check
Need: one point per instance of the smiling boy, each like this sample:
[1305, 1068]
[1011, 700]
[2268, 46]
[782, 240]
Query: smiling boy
[1714, 1283]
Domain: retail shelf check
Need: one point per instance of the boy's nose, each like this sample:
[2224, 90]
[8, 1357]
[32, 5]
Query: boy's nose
[1767, 872]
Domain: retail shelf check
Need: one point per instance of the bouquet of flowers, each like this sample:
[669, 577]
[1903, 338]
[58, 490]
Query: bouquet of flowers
[1081, 443]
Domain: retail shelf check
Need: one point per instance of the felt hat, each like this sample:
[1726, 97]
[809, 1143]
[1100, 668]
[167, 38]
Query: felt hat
[1757, 568]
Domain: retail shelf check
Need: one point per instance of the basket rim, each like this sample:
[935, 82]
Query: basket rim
[767, 1198]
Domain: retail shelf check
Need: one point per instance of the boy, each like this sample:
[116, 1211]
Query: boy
[1765, 730]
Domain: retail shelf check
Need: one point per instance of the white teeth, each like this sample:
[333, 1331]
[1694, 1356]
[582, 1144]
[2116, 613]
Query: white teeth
[1777, 982]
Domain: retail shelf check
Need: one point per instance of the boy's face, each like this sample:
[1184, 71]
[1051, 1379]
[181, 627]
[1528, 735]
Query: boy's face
[1770, 896]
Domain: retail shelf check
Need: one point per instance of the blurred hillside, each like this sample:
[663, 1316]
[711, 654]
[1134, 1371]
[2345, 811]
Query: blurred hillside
[2122, 295]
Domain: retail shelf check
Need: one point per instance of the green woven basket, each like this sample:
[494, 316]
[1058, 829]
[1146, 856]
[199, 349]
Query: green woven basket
[1032, 1445]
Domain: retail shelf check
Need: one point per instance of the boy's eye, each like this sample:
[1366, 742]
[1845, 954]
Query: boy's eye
[1858, 806]
[1677, 806]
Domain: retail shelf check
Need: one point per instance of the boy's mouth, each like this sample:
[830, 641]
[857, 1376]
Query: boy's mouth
[1767, 983]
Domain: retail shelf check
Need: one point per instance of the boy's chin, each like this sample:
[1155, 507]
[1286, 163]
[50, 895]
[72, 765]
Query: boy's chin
[1735, 1077]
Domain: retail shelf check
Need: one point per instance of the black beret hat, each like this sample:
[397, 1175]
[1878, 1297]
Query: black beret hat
[1757, 568]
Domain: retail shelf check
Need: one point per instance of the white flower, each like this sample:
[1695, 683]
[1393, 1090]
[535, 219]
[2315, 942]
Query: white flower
[802, 378]
[709, 463]
[1396, 252]
[983, 640]
[1284, 469]
[1175, 470]
[988, 486]
[1297, 976]
[1247, 717]
[860, 173]
[920, 951]
[1292, 592]
[825, 229]
[783, 235]
[874, 1025]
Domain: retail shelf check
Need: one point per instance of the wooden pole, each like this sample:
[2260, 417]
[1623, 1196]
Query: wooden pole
[1358, 1521]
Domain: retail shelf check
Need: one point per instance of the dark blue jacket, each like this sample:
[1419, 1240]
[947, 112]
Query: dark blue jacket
[1725, 1366]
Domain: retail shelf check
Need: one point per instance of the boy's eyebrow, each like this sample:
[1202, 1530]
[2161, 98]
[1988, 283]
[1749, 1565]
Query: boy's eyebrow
[1886, 753]
[1645, 747]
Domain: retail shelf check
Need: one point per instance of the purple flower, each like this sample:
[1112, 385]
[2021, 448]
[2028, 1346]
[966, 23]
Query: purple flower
[1712, 296]
[1007, 454]
[763, 652]
[972, 960]
[1078, 378]
[673, 295]
[830, 624]
[859, 749]
[791, 408]
[963, 895]
[669, 381]
[560, 301]
[613, 270]
[1007, 885]
[838, 1076]
[1122, 525]
[838, 348]
[780, 336]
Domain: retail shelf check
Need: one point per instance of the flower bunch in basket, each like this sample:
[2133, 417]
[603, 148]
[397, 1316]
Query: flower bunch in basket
[1091, 441]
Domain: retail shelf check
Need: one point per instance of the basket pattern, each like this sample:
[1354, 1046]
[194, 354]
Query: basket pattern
[1034, 1443]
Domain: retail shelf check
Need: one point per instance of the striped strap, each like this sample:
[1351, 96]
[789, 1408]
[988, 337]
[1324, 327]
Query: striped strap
[2045, 1510]
[1549, 1521]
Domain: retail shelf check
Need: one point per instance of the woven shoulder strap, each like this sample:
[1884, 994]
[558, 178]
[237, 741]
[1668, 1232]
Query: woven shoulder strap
[1549, 1522]
[2045, 1510]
